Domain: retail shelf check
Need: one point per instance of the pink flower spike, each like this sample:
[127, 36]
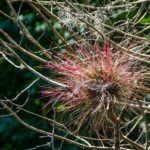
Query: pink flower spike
[45, 93]
[107, 65]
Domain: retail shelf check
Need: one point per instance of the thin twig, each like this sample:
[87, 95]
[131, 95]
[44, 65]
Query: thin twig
[50, 134]
[8, 60]
[21, 48]
[33, 70]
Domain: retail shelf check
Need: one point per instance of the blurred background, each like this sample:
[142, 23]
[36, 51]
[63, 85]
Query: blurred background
[12, 81]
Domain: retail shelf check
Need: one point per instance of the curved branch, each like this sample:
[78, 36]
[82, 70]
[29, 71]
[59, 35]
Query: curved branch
[31, 69]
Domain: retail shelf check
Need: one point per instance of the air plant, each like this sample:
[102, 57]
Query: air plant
[99, 81]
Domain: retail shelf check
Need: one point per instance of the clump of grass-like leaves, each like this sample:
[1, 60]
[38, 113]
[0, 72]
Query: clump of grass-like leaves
[98, 80]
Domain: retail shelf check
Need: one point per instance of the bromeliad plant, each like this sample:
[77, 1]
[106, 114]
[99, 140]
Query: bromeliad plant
[97, 97]
[100, 82]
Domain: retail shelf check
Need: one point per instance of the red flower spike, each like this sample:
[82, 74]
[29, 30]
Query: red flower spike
[46, 93]
[107, 65]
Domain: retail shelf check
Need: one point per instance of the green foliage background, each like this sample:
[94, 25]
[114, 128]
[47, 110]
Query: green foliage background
[14, 135]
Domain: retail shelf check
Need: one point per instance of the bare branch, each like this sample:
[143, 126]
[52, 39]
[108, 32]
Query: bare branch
[32, 70]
